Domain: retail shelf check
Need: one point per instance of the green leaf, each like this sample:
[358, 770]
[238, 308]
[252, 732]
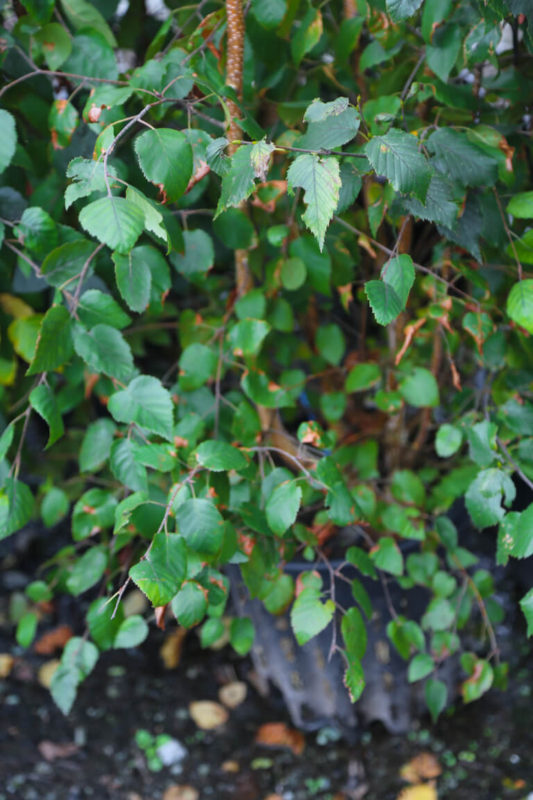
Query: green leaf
[54, 507]
[190, 604]
[220, 456]
[353, 631]
[238, 182]
[396, 156]
[448, 440]
[92, 56]
[54, 343]
[439, 615]
[362, 377]
[354, 678]
[165, 157]
[481, 441]
[361, 597]
[320, 180]
[104, 350]
[332, 132]
[88, 176]
[212, 630]
[330, 343]
[317, 263]
[386, 555]
[43, 401]
[94, 512]
[436, 694]
[459, 160]
[421, 666]
[16, 506]
[55, 42]
[485, 494]
[132, 632]
[147, 403]
[38, 231]
[97, 307]
[406, 487]
[161, 457]
[293, 274]
[96, 445]
[125, 466]
[64, 264]
[405, 634]
[269, 13]
[63, 120]
[420, 389]
[399, 274]
[526, 604]
[247, 336]
[318, 111]
[26, 629]
[515, 537]
[363, 562]
[162, 571]
[520, 304]
[153, 219]
[383, 300]
[242, 635]
[133, 276]
[38, 591]
[8, 138]
[309, 615]
[103, 622]
[197, 364]
[480, 680]
[234, 229]
[438, 205]
[521, 205]
[115, 221]
[87, 570]
[402, 9]
[441, 54]
[283, 506]
[201, 525]
[199, 254]
[82, 14]
[77, 662]
[307, 35]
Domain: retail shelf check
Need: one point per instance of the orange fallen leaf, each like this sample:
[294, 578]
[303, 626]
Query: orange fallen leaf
[233, 694]
[52, 750]
[176, 792]
[230, 766]
[171, 648]
[6, 664]
[422, 767]
[422, 791]
[53, 640]
[207, 714]
[46, 672]
[278, 734]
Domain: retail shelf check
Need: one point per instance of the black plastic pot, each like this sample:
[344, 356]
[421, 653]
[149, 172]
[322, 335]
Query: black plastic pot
[312, 685]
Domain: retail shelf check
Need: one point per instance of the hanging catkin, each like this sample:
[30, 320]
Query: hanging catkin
[234, 65]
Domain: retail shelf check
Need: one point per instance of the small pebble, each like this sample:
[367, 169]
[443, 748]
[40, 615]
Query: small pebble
[172, 752]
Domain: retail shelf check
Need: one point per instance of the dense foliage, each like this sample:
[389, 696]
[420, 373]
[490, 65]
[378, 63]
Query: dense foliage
[264, 275]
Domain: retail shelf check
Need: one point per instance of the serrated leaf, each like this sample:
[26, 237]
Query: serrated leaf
[384, 302]
[387, 556]
[8, 138]
[442, 52]
[318, 111]
[220, 456]
[54, 343]
[336, 130]
[82, 14]
[126, 468]
[114, 221]
[16, 506]
[269, 13]
[43, 401]
[94, 511]
[399, 273]
[92, 56]
[190, 604]
[438, 205]
[77, 662]
[153, 219]
[87, 570]
[201, 525]
[485, 494]
[283, 506]
[104, 349]
[132, 632]
[402, 9]
[165, 157]
[64, 264]
[396, 156]
[162, 571]
[354, 678]
[238, 182]
[520, 304]
[133, 277]
[96, 445]
[97, 307]
[88, 177]
[320, 180]
[309, 615]
[459, 160]
[38, 231]
[197, 364]
[147, 403]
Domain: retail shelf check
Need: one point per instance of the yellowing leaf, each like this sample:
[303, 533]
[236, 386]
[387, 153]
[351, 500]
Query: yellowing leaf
[422, 791]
